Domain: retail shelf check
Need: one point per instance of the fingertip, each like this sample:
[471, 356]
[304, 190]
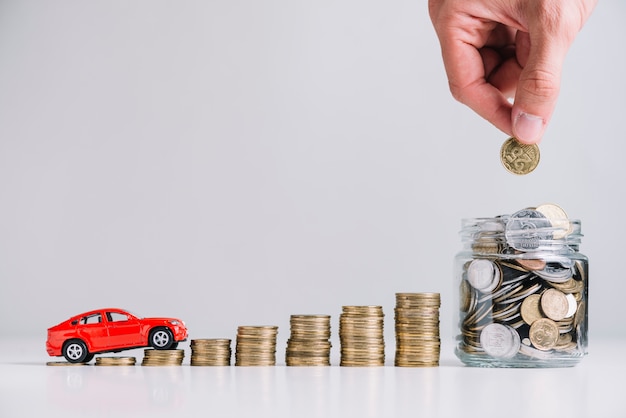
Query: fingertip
[528, 128]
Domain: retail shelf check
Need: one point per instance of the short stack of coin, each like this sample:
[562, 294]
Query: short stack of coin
[417, 329]
[210, 352]
[65, 363]
[309, 343]
[256, 346]
[162, 357]
[361, 336]
[115, 361]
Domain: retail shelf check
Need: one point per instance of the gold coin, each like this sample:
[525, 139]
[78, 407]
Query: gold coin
[465, 298]
[530, 309]
[554, 304]
[519, 158]
[115, 361]
[579, 316]
[64, 363]
[544, 334]
[557, 217]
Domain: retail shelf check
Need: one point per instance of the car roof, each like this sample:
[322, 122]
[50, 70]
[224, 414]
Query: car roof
[98, 311]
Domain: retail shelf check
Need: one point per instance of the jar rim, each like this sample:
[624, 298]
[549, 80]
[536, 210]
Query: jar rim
[522, 233]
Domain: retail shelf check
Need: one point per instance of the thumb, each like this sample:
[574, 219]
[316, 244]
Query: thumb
[538, 87]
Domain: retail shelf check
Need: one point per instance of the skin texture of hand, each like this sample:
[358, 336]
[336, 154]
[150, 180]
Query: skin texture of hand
[494, 50]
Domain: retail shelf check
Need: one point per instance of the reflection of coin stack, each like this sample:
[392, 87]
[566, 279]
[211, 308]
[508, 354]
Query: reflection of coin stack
[115, 361]
[210, 352]
[361, 336]
[162, 357]
[417, 329]
[256, 346]
[309, 343]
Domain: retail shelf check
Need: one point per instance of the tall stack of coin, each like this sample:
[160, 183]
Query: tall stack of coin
[162, 357]
[417, 329]
[256, 346]
[309, 343]
[115, 361]
[361, 336]
[210, 352]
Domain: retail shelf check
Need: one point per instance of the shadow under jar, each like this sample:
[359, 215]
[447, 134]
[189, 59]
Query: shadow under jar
[523, 288]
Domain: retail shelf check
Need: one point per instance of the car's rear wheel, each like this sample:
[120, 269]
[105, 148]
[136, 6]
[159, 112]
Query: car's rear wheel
[161, 339]
[75, 351]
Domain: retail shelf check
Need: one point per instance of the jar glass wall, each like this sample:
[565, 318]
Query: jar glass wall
[523, 289]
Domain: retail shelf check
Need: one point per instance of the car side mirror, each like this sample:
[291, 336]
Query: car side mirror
[74, 322]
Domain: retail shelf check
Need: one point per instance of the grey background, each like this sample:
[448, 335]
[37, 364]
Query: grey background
[235, 162]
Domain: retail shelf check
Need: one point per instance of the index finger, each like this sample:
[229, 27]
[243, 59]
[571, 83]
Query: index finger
[467, 81]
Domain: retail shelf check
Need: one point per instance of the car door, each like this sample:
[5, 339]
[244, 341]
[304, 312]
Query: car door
[92, 330]
[123, 329]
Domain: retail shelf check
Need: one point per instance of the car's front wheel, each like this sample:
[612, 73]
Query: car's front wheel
[161, 339]
[75, 351]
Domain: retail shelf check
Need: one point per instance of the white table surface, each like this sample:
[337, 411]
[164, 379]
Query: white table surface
[28, 388]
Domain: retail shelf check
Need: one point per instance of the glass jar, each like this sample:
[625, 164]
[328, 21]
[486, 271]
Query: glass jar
[523, 289]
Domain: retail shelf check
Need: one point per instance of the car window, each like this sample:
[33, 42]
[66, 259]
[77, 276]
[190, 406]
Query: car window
[91, 319]
[116, 317]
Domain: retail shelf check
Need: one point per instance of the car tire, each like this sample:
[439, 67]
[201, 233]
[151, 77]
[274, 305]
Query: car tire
[161, 339]
[75, 351]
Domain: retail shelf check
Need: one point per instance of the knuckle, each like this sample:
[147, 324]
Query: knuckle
[539, 83]
[458, 92]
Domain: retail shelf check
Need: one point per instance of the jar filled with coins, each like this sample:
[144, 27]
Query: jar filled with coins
[523, 286]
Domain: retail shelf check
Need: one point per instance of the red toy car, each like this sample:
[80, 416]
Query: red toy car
[111, 330]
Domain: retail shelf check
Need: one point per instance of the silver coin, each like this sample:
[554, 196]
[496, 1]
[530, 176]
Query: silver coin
[500, 341]
[483, 275]
[492, 226]
[534, 353]
[523, 294]
[572, 305]
[555, 273]
[527, 229]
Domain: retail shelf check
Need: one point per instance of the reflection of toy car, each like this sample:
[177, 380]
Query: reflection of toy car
[111, 330]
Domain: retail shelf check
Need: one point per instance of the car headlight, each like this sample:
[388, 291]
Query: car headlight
[174, 322]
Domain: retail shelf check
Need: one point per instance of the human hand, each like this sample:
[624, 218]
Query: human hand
[494, 50]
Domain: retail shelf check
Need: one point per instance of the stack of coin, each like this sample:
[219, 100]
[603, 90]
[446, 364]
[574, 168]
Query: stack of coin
[256, 346]
[309, 343]
[210, 352]
[417, 329]
[361, 336]
[115, 361]
[163, 357]
[65, 363]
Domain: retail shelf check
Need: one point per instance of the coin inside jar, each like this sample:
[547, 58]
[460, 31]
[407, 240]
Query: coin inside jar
[483, 275]
[500, 341]
[554, 304]
[544, 334]
[527, 229]
[531, 264]
[557, 217]
[530, 309]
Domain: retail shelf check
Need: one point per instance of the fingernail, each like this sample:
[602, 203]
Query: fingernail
[528, 128]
